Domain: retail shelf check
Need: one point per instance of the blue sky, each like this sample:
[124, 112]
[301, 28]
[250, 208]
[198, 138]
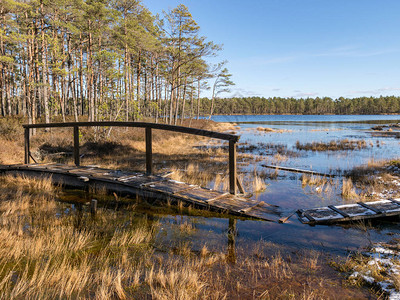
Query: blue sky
[303, 48]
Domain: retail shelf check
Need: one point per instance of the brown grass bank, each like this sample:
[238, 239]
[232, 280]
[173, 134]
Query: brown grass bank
[376, 179]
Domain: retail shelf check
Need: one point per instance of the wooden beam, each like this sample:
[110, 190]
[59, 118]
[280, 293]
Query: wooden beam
[27, 150]
[245, 210]
[306, 214]
[149, 152]
[375, 210]
[240, 186]
[232, 167]
[297, 170]
[76, 145]
[181, 129]
[218, 197]
[340, 212]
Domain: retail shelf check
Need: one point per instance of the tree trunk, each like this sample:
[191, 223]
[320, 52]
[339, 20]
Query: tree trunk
[198, 99]
[44, 69]
[138, 73]
[90, 77]
[183, 101]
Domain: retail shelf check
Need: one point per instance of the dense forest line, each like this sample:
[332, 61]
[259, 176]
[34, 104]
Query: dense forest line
[325, 105]
[115, 60]
[103, 59]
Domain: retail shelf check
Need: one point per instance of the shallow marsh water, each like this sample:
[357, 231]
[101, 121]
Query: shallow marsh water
[287, 190]
[215, 231]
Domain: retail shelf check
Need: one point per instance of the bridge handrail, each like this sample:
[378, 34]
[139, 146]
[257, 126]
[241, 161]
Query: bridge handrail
[174, 128]
[148, 127]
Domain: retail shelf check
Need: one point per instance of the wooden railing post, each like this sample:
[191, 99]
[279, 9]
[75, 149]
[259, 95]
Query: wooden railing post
[149, 151]
[27, 150]
[76, 145]
[232, 167]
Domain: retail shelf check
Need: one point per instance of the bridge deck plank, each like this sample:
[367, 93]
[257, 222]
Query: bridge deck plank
[149, 186]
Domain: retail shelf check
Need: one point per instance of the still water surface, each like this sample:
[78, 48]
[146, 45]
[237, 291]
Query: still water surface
[286, 190]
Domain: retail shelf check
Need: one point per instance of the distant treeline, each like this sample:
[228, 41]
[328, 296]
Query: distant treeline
[325, 105]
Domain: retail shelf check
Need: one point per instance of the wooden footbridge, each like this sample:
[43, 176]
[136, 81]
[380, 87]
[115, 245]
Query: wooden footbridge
[147, 185]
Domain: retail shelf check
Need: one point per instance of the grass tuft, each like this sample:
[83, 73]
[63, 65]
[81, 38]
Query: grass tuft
[334, 145]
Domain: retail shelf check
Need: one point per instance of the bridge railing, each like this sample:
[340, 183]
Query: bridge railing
[148, 138]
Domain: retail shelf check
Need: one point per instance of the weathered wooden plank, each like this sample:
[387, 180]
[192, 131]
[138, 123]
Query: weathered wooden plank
[378, 211]
[247, 209]
[395, 201]
[170, 186]
[297, 170]
[351, 212]
[148, 186]
[217, 197]
[355, 210]
[188, 188]
[264, 212]
[200, 194]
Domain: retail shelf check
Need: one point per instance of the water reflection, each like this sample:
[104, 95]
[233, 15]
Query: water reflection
[232, 241]
[221, 232]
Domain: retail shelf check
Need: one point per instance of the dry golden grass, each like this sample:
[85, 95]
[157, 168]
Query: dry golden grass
[362, 265]
[334, 145]
[313, 180]
[267, 129]
[396, 280]
[348, 190]
[321, 183]
[279, 157]
[193, 174]
[376, 177]
[48, 254]
[258, 184]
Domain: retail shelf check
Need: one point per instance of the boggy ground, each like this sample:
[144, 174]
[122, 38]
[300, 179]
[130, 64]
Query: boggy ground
[51, 250]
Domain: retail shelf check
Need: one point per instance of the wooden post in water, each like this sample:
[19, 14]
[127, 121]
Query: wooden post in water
[27, 150]
[232, 167]
[93, 207]
[76, 145]
[149, 152]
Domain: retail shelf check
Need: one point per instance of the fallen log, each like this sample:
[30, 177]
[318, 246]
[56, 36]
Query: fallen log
[298, 170]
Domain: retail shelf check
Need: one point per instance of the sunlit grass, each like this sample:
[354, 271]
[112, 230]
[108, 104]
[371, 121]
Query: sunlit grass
[46, 253]
[334, 145]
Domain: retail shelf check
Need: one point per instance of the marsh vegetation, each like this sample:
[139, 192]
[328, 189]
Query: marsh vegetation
[52, 250]
[140, 249]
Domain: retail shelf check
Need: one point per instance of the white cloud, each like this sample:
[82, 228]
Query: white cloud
[343, 51]
[376, 91]
[302, 95]
[238, 92]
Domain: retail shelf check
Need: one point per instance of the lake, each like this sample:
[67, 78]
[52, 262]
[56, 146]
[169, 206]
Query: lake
[286, 190]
